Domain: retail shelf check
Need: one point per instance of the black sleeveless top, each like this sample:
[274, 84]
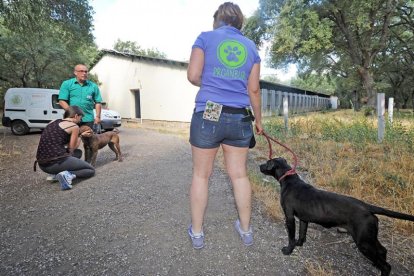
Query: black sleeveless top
[52, 143]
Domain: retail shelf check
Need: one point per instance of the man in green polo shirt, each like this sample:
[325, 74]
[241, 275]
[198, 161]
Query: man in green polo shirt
[84, 93]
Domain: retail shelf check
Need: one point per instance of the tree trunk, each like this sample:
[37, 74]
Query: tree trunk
[357, 100]
[368, 84]
[397, 98]
[412, 98]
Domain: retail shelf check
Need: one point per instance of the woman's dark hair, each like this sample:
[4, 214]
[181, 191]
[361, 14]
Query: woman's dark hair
[72, 111]
[228, 14]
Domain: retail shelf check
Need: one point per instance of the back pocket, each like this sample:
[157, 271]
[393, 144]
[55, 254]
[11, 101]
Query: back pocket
[208, 129]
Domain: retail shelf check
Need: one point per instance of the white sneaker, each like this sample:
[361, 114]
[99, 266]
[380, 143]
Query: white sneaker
[65, 180]
[72, 176]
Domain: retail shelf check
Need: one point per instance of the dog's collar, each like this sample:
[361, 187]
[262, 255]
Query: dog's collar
[289, 172]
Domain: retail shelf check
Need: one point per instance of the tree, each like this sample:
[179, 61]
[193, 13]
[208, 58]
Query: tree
[332, 36]
[132, 47]
[395, 64]
[272, 78]
[42, 40]
[315, 82]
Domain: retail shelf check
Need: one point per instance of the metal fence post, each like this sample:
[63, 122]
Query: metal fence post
[390, 109]
[380, 113]
[286, 112]
[264, 102]
[278, 102]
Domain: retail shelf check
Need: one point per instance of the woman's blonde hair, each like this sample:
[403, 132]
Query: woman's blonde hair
[228, 14]
[72, 111]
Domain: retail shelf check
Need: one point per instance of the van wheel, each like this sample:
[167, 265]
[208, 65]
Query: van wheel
[19, 127]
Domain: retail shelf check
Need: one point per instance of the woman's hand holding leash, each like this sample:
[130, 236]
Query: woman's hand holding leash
[259, 128]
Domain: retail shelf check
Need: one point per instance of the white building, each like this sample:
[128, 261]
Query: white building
[144, 87]
[158, 89]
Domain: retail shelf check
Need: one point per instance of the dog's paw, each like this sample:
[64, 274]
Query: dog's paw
[287, 250]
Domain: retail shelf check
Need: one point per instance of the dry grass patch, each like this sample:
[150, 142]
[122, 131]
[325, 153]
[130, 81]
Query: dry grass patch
[268, 194]
[313, 268]
[9, 150]
[339, 152]
[180, 129]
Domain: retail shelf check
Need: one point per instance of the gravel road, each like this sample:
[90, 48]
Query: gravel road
[132, 217]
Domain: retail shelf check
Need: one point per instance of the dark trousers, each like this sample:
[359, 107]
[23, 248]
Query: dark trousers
[73, 164]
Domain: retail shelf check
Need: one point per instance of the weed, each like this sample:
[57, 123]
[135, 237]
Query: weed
[317, 269]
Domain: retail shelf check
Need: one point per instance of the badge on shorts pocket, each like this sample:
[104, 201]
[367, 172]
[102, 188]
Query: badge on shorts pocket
[212, 111]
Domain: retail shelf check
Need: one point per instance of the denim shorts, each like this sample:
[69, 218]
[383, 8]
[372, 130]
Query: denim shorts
[231, 129]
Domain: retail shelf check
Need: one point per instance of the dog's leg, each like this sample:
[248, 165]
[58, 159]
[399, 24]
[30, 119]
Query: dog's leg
[115, 148]
[376, 253]
[291, 230]
[303, 228]
[119, 152]
[366, 239]
[93, 157]
[382, 257]
[87, 154]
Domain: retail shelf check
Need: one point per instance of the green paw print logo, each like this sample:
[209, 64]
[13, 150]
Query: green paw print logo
[232, 54]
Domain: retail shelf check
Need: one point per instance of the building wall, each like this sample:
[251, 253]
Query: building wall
[165, 92]
[166, 95]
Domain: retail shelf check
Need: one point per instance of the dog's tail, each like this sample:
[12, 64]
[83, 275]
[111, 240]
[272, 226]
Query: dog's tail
[392, 214]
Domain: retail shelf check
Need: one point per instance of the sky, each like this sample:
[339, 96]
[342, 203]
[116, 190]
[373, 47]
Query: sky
[171, 26]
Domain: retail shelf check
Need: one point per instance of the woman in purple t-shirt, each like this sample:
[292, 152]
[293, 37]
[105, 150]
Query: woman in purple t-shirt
[226, 66]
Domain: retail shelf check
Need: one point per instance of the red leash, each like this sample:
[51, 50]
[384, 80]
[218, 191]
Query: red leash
[289, 172]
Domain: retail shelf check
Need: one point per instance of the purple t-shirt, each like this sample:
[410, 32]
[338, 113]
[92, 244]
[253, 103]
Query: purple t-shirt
[228, 59]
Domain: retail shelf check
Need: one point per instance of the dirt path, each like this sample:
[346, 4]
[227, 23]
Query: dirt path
[131, 219]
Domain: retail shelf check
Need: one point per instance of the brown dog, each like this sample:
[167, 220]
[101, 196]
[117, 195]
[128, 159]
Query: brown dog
[93, 142]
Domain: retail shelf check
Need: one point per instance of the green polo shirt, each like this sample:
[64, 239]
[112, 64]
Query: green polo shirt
[85, 96]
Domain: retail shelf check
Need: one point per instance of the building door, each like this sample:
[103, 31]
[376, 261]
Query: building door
[137, 102]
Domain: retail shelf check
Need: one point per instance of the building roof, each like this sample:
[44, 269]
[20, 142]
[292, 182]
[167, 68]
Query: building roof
[263, 84]
[137, 57]
[290, 89]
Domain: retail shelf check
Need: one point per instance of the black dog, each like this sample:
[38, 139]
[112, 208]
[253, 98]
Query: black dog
[328, 209]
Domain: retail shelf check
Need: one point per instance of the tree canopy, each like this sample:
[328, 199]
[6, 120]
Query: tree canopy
[360, 44]
[42, 40]
[132, 47]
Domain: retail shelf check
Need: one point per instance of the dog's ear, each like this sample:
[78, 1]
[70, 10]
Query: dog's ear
[281, 167]
[85, 131]
[270, 165]
[84, 128]
[268, 168]
[282, 163]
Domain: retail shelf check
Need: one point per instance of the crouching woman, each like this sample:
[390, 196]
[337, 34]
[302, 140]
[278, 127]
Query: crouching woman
[58, 153]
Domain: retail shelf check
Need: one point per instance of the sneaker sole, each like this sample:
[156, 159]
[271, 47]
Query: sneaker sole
[201, 247]
[196, 247]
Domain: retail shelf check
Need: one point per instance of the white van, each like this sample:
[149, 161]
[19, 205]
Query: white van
[27, 108]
